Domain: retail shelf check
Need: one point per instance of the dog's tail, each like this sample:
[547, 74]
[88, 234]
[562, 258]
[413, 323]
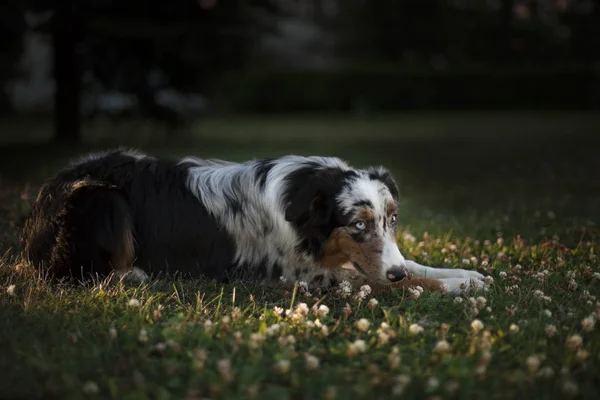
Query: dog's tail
[79, 231]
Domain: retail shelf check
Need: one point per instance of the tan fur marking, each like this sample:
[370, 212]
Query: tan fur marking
[123, 259]
[366, 214]
[342, 248]
[391, 207]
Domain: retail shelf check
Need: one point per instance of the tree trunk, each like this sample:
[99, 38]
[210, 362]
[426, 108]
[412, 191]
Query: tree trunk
[66, 37]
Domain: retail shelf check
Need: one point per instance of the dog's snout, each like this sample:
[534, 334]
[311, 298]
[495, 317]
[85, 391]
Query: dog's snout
[396, 274]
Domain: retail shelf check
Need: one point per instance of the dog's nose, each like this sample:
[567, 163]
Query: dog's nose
[396, 274]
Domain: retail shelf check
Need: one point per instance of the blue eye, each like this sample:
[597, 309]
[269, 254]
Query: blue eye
[360, 225]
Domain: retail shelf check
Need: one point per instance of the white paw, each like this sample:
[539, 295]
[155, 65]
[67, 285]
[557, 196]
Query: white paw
[135, 274]
[448, 273]
[468, 274]
[461, 285]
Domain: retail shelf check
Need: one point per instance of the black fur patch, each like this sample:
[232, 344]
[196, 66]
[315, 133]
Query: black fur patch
[185, 239]
[311, 204]
[262, 171]
[363, 203]
[387, 179]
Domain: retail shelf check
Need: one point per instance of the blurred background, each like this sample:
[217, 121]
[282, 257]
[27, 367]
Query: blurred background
[486, 110]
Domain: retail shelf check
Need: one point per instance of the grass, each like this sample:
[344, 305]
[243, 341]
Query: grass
[523, 207]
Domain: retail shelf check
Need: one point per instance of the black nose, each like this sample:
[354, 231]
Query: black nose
[396, 274]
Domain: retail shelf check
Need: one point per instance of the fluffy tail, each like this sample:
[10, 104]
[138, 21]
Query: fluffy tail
[79, 230]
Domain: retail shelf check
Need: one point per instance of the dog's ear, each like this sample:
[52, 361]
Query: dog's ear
[311, 202]
[388, 180]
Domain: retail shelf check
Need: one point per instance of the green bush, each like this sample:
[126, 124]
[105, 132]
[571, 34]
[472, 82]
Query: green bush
[387, 89]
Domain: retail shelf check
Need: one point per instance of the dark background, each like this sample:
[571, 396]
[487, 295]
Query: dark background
[175, 61]
[486, 110]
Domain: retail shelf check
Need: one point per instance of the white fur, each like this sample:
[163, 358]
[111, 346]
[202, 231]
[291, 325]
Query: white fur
[391, 257]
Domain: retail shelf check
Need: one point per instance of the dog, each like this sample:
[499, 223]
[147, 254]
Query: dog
[315, 220]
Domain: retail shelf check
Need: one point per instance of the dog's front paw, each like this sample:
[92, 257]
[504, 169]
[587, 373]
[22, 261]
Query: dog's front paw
[466, 274]
[463, 285]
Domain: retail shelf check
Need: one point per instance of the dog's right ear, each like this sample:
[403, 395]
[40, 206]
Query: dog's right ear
[311, 199]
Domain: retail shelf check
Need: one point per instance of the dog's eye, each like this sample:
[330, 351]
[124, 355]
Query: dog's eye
[360, 225]
[394, 220]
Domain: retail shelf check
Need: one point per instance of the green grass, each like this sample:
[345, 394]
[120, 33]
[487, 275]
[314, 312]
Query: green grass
[512, 205]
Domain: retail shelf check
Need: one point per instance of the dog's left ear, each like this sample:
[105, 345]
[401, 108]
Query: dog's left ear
[312, 202]
[388, 180]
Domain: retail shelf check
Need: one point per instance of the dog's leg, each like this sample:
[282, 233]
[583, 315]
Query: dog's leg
[448, 285]
[423, 271]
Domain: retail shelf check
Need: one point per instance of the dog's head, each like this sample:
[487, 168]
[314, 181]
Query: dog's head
[347, 219]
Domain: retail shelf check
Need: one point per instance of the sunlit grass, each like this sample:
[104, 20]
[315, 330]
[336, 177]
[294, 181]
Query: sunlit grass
[532, 333]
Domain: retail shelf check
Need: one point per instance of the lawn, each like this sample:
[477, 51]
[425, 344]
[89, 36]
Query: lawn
[517, 198]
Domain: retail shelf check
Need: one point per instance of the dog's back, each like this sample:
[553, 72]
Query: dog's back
[85, 220]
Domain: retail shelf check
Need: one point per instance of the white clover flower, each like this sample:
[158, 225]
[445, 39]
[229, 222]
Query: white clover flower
[359, 346]
[546, 372]
[277, 310]
[414, 293]
[323, 310]
[533, 364]
[302, 308]
[143, 335]
[442, 347]
[409, 238]
[11, 290]
[477, 325]
[513, 328]
[551, 330]
[224, 367]
[345, 287]
[383, 338]
[312, 362]
[373, 303]
[458, 300]
[481, 302]
[581, 355]
[363, 324]
[574, 342]
[548, 313]
[256, 340]
[273, 330]
[502, 275]
[432, 383]
[134, 303]
[570, 388]
[161, 346]
[572, 285]
[90, 388]
[415, 329]
[112, 332]
[366, 289]
[208, 326]
[282, 366]
[588, 323]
